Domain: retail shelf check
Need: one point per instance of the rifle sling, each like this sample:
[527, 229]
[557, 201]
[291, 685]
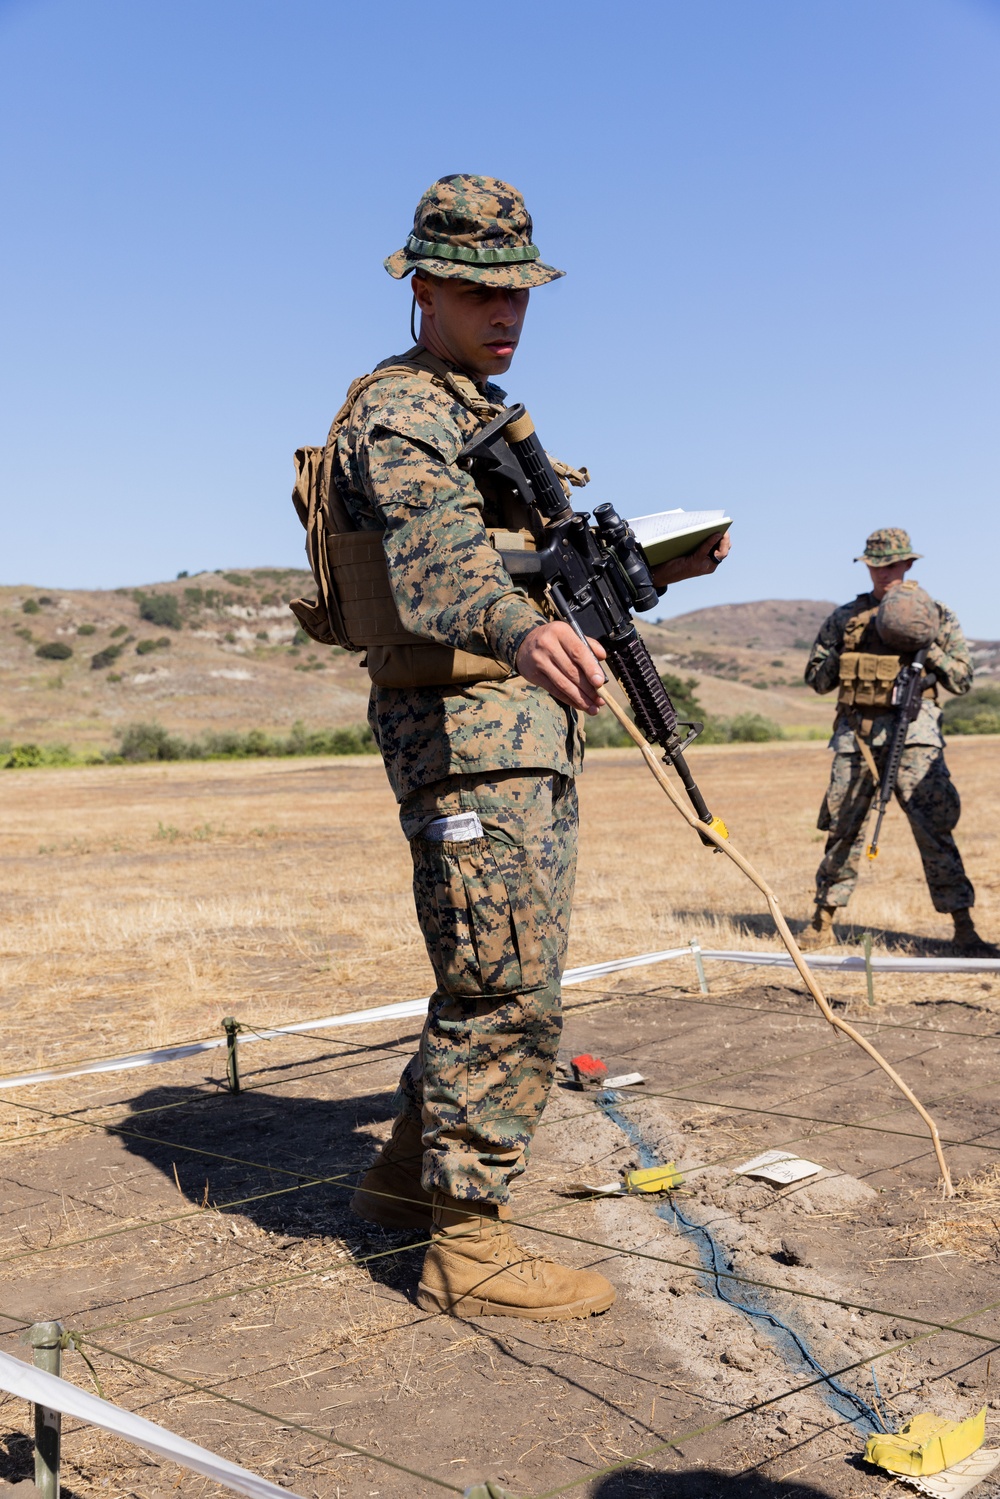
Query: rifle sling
[863, 746]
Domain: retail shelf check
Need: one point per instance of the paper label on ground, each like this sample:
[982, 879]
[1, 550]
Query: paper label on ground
[624, 1080]
[779, 1167]
[959, 1479]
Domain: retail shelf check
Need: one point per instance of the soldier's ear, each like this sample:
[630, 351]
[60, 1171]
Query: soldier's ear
[423, 292]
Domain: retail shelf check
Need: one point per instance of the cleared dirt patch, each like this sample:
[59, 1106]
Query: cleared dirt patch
[201, 1243]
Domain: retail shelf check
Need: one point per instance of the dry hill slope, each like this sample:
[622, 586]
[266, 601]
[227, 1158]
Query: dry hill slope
[221, 652]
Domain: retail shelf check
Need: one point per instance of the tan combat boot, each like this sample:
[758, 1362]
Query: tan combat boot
[390, 1193]
[967, 940]
[474, 1269]
[819, 932]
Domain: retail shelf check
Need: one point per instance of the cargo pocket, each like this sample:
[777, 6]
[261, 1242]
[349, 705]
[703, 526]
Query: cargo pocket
[479, 913]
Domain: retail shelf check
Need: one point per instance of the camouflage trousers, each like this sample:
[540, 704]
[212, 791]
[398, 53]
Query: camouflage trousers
[494, 912]
[927, 795]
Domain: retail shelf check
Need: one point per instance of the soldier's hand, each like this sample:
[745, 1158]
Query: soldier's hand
[554, 657]
[704, 559]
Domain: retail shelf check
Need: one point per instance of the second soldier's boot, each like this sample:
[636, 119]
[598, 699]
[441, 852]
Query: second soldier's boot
[390, 1192]
[819, 932]
[474, 1268]
[967, 940]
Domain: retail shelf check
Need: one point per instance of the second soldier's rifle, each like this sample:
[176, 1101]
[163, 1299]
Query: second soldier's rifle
[594, 575]
[906, 694]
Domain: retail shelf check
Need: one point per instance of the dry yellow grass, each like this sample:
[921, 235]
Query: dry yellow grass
[969, 1224]
[141, 904]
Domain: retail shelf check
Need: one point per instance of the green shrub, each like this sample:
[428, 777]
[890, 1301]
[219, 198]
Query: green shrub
[54, 650]
[753, 728]
[238, 580]
[118, 631]
[150, 741]
[145, 646]
[86, 629]
[31, 606]
[30, 756]
[25, 757]
[107, 657]
[159, 609]
[976, 713]
[681, 691]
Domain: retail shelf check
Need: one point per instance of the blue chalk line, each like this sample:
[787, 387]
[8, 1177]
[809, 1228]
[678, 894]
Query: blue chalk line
[853, 1407]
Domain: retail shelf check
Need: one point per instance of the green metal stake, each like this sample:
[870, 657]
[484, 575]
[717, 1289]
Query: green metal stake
[869, 976]
[231, 1028]
[46, 1339]
[699, 964]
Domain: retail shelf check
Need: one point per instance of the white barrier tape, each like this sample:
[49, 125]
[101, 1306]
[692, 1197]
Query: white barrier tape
[40, 1388]
[404, 1010]
[857, 965]
[413, 1008]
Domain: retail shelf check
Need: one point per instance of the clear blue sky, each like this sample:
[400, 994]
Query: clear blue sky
[779, 218]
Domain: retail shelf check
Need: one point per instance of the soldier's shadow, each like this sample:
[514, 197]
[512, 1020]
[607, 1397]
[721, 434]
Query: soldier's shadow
[288, 1163]
[701, 1483]
[849, 934]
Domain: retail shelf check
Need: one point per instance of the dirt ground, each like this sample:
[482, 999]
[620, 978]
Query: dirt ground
[200, 1243]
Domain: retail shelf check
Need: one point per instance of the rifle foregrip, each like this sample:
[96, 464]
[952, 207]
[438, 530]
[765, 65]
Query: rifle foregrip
[654, 712]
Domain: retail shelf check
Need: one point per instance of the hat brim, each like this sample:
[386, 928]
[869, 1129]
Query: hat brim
[888, 561]
[510, 276]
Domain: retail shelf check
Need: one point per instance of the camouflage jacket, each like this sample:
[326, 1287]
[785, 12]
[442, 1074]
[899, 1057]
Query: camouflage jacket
[948, 658]
[395, 471]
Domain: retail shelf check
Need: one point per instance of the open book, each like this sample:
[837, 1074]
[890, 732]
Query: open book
[674, 533]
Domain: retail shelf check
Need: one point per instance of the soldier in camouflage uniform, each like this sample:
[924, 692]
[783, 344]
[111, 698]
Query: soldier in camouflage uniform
[924, 788]
[483, 769]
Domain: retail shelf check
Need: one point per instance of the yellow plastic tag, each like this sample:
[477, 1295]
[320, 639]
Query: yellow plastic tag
[927, 1444]
[718, 826]
[653, 1179]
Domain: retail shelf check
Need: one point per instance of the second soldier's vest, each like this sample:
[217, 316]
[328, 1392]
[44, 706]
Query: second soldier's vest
[355, 607]
[868, 668]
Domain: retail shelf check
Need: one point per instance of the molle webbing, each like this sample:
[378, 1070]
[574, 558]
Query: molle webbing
[355, 607]
[867, 680]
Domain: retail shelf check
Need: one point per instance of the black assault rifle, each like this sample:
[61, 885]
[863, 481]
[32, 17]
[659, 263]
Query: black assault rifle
[595, 577]
[906, 693]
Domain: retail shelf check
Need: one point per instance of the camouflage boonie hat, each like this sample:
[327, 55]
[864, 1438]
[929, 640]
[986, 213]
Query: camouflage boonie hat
[473, 229]
[891, 544]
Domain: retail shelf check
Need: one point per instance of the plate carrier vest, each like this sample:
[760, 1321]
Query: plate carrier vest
[355, 607]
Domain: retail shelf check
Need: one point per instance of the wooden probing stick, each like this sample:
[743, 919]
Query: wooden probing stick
[805, 972]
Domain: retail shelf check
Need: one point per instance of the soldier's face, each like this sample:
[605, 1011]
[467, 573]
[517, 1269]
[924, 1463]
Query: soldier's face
[476, 326]
[884, 578]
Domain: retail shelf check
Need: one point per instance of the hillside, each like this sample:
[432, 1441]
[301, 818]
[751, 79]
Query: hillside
[222, 652]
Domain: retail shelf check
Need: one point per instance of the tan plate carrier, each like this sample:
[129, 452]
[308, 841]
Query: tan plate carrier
[355, 607]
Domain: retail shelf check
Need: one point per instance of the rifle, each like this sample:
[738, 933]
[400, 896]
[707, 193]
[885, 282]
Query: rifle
[906, 694]
[595, 577]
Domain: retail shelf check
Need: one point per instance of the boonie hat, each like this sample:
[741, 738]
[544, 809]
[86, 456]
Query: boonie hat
[890, 544]
[473, 229]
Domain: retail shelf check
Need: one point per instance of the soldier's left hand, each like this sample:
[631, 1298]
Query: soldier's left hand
[704, 559]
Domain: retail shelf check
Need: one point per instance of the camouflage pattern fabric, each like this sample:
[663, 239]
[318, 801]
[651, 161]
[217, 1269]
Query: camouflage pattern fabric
[395, 470]
[888, 545]
[474, 229]
[494, 912]
[926, 793]
[948, 658]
